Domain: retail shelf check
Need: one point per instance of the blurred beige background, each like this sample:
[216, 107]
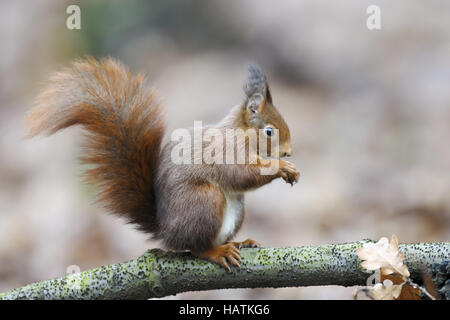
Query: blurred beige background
[369, 113]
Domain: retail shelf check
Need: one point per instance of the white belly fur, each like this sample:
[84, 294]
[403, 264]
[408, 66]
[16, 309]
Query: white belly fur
[231, 216]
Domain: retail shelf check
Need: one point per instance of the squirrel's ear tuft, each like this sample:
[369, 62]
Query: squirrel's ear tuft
[255, 105]
[257, 84]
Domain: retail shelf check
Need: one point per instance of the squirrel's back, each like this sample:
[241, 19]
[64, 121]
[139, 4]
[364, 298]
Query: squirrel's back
[125, 128]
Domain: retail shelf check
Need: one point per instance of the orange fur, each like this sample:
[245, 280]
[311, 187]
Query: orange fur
[125, 127]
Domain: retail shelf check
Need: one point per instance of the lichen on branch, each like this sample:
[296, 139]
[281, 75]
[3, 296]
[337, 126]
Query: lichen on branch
[158, 273]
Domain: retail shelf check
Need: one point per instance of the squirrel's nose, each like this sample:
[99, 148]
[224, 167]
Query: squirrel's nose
[285, 150]
[287, 153]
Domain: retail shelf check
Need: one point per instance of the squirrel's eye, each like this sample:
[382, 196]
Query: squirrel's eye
[269, 131]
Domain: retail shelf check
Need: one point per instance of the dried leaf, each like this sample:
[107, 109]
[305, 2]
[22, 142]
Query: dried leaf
[408, 292]
[386, 290]
[383, 255]
[429, 285]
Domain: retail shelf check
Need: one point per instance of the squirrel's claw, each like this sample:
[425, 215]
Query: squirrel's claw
[249, 243]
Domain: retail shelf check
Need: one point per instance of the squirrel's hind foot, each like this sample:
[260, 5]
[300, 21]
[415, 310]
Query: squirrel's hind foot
[222, 255]
[249, 243]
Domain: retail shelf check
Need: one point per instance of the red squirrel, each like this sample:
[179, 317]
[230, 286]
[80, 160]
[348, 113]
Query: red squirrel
[195, 207]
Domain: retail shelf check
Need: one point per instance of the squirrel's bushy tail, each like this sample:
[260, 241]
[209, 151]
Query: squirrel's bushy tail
[125, 128]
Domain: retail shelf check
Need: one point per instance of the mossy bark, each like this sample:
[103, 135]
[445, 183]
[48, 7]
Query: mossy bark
[158, 273]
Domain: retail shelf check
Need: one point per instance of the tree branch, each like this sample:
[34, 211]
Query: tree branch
[158, 273]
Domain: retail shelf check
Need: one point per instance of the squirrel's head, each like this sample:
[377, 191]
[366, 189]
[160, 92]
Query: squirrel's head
[260, 113]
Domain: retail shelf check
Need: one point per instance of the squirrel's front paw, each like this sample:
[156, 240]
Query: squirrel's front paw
[222, 255]
[288, 172]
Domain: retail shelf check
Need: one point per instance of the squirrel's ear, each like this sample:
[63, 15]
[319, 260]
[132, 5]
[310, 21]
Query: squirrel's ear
[255, 104]
[257, 84]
